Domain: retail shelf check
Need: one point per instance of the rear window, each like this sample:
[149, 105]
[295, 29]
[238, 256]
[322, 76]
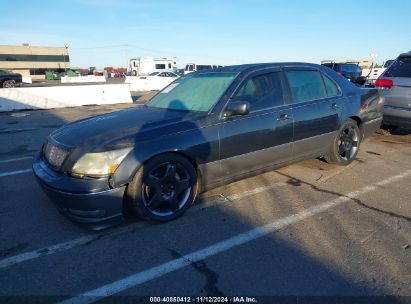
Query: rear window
[328, 65]
[388, 63]
[306, 85]
[350, 68]
[400, 68]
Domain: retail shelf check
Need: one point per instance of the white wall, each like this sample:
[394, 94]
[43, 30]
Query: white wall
[137, 83]
[63, 96]
[80, 79]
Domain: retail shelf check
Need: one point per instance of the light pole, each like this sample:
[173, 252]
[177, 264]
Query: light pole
[64, 58]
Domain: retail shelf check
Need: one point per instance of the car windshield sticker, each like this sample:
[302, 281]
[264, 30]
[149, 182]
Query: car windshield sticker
[169, 88]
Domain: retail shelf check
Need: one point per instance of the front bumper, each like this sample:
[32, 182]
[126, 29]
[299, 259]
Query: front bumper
[90, 202]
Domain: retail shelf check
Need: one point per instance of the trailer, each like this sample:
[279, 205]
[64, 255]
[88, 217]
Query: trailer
[146, 65]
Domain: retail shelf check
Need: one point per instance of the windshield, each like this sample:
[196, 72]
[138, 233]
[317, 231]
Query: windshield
[153, 74]
[194, 92]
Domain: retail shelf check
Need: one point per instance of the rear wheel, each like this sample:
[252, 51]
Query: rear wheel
[9, 84]
[163, 189]
[344, 147]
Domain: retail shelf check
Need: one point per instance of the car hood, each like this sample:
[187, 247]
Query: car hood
[142, 123]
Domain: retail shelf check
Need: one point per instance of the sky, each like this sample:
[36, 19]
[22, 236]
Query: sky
[109, 32]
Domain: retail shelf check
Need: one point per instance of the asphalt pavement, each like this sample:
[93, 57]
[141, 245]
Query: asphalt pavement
[306, 230]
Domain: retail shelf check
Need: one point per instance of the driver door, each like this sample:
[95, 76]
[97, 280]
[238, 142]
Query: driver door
[263, 137]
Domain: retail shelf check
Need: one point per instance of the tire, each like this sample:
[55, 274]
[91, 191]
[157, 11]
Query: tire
[163, 189]
[133, 73]
[345, 145]
[9, 84]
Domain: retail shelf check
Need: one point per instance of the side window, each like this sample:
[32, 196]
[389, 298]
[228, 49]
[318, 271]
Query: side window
[306, 85]
[262, 92]
[160, 66]
[330, 87]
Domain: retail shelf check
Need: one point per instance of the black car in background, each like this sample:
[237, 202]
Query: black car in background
[9, 79]
[205, 129]
[351, 71]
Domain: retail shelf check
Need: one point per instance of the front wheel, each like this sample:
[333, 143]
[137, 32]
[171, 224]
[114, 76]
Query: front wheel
[345, 145]
[9, 84]
[163, 189]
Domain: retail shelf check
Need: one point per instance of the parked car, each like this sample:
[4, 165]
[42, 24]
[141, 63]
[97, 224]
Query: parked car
[9, 79]
[179, 72]
[351, 71]
[205, 129]
[152, 82]
[395, 90]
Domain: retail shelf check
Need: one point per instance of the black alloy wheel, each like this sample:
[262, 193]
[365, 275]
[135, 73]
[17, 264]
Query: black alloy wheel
[9, 84]
[345, 145]
[166, 189]
[163, 189]
[348, 143]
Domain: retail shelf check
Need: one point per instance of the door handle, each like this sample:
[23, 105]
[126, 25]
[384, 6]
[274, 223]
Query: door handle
[283, 117]
[335, 106]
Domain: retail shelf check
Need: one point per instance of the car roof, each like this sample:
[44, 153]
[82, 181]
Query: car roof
[405, 54]
[246, 68]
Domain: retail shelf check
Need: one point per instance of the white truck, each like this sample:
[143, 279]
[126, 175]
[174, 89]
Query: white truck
[146, 65]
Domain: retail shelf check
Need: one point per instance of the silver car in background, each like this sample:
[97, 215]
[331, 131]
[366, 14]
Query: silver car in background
[395, 90]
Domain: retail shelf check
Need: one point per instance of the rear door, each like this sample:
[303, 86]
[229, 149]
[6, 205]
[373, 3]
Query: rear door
[264, 136]
[316, 113]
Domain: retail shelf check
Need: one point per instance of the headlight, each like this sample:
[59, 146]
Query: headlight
[54, 155]
[102, 163]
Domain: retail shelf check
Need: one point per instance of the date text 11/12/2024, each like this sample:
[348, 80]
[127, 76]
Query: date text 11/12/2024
[204, 299]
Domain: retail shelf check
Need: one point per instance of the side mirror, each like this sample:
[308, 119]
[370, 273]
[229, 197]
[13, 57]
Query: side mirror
[235, 108]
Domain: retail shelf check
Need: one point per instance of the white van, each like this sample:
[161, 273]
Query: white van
[193, 67]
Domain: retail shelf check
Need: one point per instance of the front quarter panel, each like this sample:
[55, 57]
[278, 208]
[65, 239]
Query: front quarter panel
[199, 144]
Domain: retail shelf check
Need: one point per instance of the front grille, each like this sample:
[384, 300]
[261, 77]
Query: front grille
[54, 155]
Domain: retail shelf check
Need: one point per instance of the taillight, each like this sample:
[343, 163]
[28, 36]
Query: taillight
[341, 73]
[363, 107]
[384, 83]
[143, 77]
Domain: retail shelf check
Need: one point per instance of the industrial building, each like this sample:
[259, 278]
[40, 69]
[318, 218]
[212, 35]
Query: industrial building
[34, 61]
